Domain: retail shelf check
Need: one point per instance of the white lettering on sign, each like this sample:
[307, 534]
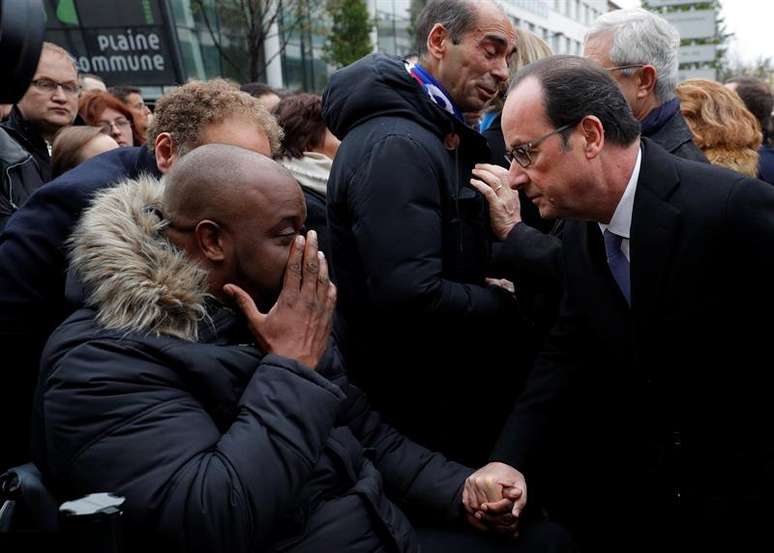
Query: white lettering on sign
[127, 62]
[126, 51]
[129, 41]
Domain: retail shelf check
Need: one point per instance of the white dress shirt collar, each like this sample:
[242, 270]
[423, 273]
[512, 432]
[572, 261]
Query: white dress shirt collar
[621, 223]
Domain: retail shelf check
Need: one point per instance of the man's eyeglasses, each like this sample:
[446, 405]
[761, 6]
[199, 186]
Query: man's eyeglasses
[47, 85]
[522, 154]
[630, 66]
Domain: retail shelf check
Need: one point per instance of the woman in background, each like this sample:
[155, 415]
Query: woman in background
[724, 129]
[308, 149]
[74, 145]
[102, 109]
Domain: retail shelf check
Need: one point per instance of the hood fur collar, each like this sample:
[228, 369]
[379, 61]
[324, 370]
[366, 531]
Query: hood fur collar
[134, 278]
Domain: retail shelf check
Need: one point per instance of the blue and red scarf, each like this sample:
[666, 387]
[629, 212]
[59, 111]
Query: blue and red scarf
[434, 89]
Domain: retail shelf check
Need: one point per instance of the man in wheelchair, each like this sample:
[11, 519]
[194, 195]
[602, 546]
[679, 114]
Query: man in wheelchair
[200, 382]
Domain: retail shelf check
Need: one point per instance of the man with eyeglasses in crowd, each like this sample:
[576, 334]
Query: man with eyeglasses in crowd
[50, 103]
[640, 51]
[646, 415]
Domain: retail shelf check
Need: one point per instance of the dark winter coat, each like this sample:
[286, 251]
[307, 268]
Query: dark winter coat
[676, 138]
[160, 395]
[410, 248]
[33, 271]
[766, 163]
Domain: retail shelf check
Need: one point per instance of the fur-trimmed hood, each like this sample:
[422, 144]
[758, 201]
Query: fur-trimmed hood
[133, 277]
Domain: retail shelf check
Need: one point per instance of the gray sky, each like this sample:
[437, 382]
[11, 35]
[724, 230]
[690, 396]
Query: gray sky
[751, 21]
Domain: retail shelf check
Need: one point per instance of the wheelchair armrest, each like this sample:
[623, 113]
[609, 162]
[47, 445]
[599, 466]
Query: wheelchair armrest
[25, 502]
[27, 505]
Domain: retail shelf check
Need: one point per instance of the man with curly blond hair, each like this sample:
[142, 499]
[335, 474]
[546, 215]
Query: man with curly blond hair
[33, 246]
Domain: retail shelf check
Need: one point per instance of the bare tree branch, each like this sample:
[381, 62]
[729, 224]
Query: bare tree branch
[256, 19]
[215, 39]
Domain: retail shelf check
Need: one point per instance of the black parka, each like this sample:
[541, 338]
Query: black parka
[411, 247]
[216, 446]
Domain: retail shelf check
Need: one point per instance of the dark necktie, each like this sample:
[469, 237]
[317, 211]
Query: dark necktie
[618, 263]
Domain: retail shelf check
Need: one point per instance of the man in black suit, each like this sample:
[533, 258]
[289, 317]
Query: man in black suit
[647, 414]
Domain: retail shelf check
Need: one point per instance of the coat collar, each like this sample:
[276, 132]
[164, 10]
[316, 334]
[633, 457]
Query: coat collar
[672, 134]
[311, 170]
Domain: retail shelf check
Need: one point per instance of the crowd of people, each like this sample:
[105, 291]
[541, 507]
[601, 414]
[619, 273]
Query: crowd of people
[484, 298]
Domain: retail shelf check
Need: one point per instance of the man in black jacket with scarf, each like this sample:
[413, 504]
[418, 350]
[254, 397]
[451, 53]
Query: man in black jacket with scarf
[410, 239]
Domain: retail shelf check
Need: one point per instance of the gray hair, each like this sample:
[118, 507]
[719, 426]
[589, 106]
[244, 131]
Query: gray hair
[640, 36]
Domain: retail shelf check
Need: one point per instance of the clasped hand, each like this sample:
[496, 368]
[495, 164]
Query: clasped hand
[494, 498]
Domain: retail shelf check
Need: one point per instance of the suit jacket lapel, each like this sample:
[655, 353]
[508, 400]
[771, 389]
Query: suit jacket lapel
[655, 224]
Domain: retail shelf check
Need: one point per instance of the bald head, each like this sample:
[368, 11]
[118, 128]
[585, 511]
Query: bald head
[213, 182]
[236, 213]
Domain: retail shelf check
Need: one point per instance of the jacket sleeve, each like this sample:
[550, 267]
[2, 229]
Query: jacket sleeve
[526, 432]
[395, 204]
[414, 477]
[527, 251]
[203, 487]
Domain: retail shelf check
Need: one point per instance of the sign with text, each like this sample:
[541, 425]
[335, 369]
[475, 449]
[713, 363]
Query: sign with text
[697, 53]
[693, 24]
[122, 41]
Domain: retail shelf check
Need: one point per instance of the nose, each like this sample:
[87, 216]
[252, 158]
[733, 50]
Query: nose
[517, 176]
[59, 94]
[500, 70]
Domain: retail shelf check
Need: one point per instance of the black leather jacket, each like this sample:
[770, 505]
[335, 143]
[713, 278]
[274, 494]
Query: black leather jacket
[19, 176]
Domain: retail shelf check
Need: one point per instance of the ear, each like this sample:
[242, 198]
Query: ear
[165, 151]
[210, 240]
[646, 81]
[593, 136]
[436, 41]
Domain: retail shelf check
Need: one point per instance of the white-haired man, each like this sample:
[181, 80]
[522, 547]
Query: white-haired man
[639, 49]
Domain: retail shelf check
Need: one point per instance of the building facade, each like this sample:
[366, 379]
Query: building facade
[202, 39]
[701, 38]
